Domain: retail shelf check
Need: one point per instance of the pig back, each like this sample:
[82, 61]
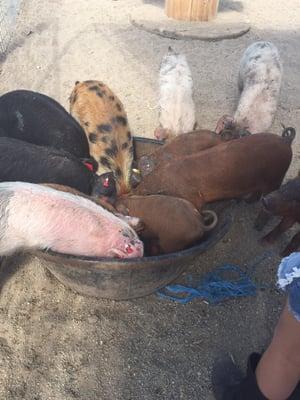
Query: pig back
[183, 145]
[39, 119]
[255, 163]
[188, 143]
[68, 189]
[21, 161]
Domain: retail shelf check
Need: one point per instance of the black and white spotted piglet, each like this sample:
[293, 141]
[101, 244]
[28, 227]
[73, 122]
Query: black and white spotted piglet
[259, 82]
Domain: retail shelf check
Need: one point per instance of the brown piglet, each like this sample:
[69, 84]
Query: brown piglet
[170, 224]
[254, 164]
[184, 145]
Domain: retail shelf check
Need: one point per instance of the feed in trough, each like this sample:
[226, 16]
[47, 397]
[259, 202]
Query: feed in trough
[103, 118]
[170, 224]
[259, 82]
[37, 217]
[38, 119]
[176, 104]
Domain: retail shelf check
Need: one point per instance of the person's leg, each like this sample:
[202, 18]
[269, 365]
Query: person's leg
[278, 371]
[276, 374]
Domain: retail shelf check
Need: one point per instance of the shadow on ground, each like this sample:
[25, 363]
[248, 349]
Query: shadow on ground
[60, 345]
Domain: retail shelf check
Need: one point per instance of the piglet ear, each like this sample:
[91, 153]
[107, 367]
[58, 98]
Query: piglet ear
[90, 163]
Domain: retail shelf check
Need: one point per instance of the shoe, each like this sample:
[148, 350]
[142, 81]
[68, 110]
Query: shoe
[248, 388]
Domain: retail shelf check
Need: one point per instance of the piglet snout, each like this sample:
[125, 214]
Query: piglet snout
[132, 249]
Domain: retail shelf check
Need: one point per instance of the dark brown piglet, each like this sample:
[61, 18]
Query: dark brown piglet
[170, 224]
[254, 164]
[285, 203]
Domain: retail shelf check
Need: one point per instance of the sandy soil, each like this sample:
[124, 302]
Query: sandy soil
[55, 344]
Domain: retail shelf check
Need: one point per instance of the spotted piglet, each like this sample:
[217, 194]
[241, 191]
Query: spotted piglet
[259, 82]
[104, 120]
[37, 217]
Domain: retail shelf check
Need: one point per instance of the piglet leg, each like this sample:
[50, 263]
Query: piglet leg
[292, 246]
[225, 122]
[284, 225]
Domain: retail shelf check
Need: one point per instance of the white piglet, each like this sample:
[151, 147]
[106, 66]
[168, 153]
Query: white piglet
[259, 82]
[176, 104]
[37, 217]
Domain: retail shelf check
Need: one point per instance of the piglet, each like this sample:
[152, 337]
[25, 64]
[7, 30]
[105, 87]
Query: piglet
[39, 119]
[176, 104]
[22, 161]
[254, 164]
[183, 145]
[135, 223]
[103, 117]
[259, 82]
[285, 203]
[170, 224]
[36, 217]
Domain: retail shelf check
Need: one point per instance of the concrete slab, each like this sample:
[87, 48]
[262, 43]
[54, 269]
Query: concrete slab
[153, 19]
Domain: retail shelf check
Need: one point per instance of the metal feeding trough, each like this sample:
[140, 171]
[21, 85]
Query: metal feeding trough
[126, 279]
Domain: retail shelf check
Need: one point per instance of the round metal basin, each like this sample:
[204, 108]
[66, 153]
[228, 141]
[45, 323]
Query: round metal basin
[126, 279]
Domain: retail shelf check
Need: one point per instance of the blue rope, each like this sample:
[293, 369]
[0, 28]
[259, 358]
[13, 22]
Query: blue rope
[214, 288]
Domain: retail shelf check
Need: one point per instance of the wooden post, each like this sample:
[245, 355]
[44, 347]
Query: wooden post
[192, 10]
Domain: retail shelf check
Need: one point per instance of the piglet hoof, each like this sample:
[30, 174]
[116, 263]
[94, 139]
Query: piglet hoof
[225, 122]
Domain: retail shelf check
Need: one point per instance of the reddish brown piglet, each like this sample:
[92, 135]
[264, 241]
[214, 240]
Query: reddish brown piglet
[183, 145]
[254, 164]
[284, 203]
[170, 224]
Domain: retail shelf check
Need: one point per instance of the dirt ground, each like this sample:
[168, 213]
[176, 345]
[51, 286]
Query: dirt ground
[58, 345]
